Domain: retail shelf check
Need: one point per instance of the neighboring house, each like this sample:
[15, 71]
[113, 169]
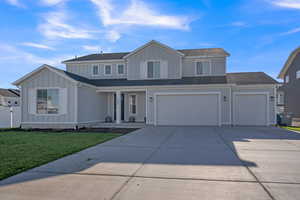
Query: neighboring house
[290, 89]
[9, 97]
[10, 112]
[154, 84]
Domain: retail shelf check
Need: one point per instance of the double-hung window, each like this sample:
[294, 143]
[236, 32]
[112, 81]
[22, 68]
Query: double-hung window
[132, 104]
[95, 70]
[47, 101]
[107, 69]
[153, 69]
[202, 67]
[120, 69]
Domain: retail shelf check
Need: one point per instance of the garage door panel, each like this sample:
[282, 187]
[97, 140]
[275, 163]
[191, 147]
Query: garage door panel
[250, 109]
[187, 109]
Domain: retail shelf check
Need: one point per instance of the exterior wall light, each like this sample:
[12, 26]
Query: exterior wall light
[151, 99]
[272, 98]
[224, 98]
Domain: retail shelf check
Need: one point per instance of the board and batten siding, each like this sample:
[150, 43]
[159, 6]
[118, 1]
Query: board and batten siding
[48, 79]
[154, 52]
[218, 66]
[225, 105]
[92, 106]
[86, 70]
[141, 106]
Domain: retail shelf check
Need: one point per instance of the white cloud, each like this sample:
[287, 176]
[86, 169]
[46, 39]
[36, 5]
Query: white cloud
[52, 2]
[113, 35]
[138, 13]
[295, 30]
[238, 24]
[15, 3]
[11, 54]
[91, 48]
[36, 45]
[287, 3]
[56, 27]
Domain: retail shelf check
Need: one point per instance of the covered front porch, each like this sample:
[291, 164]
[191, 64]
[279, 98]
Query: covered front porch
[125, 108]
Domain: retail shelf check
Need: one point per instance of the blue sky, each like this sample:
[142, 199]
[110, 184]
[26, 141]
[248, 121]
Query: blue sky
[259, 34]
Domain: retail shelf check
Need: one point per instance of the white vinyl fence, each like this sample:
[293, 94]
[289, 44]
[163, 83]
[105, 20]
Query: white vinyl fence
[5, 117]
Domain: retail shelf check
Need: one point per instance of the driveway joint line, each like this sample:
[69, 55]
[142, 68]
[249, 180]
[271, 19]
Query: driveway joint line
[142, 164]
[254, 176]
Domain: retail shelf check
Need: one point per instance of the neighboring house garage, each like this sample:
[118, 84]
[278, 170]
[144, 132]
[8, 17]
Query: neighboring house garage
[188, 109]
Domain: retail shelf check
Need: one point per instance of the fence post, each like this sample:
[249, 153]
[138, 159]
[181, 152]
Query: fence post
[11, 116]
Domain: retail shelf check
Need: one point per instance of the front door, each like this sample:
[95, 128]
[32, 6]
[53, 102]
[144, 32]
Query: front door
[122, 107]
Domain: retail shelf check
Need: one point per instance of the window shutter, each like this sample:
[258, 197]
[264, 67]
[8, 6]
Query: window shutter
[143, 70]
[63, 101]
[32, 101]
[164, 69]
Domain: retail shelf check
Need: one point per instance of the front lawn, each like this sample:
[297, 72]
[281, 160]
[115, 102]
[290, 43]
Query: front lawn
[20, 150]
[291, 128]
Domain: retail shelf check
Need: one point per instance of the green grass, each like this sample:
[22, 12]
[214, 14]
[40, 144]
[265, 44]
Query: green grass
[291, 128]
[20, 151]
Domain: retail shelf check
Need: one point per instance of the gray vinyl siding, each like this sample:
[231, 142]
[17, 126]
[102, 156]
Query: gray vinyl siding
[291, 90]
[218, 66]
[225, 105]
[141, 106]
[86, 70]
[154, 52]
[47, 78]
[253, 89]
[92, 106]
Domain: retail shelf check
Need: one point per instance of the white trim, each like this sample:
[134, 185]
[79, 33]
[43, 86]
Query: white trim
[207, 56]
[48, 123]
[275, 105]
[250, 93]
[52, 69]
[210, 67]
[105, 74]
[298, 74]
[146, 104]
[76, 104]
[117, 66]
[129, 104]
[148, 44]
[230, 105]
[93, 61]
[188, 93]
[47, 88]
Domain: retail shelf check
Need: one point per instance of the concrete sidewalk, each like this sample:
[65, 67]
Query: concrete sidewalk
[171, 163]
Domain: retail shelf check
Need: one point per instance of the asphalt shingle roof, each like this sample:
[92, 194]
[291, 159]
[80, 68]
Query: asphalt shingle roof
[112, 56]
[9, 92]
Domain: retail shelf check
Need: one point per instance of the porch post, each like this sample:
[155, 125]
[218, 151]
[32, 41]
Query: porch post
[118, 107]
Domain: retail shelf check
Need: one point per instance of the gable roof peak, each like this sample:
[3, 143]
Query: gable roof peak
[289, 61]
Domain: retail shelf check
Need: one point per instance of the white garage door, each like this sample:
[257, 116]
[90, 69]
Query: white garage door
[187, 109]
[250, 109]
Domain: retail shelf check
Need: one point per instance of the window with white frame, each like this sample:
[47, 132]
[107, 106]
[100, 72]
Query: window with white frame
[153, 69]
[202, 67]
[47, 101]
[107, 69]
[132, 104]
[95, 70]
[120, 69]
[298, 74]
[287, 79]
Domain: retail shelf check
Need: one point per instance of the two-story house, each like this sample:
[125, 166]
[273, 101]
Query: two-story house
[153, 85]
[290, 89]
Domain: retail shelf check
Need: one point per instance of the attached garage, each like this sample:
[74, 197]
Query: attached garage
[250, 109]
[192, 109]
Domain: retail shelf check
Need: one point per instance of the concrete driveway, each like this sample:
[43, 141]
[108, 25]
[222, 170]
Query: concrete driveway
[171, 163]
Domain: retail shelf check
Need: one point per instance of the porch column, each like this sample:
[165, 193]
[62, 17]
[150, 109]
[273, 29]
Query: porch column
[118, 107]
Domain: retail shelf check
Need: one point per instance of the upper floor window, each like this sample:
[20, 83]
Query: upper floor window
[95, 70]
[153, 69]
[120, 69]
[298, 74]
[287, 79]
[107, 69]
[47, 101]
[202, 67]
